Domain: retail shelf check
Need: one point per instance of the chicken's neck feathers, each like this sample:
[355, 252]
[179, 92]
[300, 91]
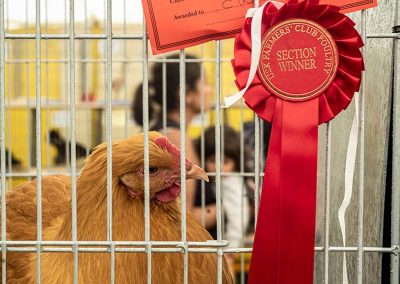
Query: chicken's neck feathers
[127, 213]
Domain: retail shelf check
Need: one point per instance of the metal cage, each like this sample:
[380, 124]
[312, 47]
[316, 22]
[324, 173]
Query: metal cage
[45, 66]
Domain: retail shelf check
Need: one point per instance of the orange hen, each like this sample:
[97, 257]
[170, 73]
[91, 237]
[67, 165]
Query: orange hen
[21, 215]
[127, 220]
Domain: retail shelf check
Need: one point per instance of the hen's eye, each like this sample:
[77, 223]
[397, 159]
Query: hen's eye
[153, 170]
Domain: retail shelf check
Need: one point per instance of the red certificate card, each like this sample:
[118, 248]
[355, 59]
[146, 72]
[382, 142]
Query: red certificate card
[177, 24]
[348, 6]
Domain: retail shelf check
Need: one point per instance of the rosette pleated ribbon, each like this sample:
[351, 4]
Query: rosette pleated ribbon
[297, 65]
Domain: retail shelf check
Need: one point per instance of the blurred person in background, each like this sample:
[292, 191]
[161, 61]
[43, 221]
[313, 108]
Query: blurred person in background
[193, 89]
[235, 204]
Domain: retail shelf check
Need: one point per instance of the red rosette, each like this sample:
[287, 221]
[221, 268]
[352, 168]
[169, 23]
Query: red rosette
[309, 69]
[348, 77]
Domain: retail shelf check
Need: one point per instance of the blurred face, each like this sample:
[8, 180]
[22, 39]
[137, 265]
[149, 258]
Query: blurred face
[193, 97]
[229, 165]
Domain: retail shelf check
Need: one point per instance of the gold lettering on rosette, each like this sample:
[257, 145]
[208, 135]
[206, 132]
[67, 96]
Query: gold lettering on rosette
[297, 59]
[301, 58]
[266, 53]
[267, 70]
[329, 64]
[299, 48]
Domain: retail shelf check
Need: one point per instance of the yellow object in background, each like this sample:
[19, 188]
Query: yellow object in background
[231, 116]
[20, 90]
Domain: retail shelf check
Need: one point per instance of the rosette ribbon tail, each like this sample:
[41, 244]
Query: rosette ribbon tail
[283, 250]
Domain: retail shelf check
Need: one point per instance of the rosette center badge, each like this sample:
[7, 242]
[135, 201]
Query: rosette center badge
[299, 59]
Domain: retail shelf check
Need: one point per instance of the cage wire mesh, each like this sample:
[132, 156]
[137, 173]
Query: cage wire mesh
[68, 74]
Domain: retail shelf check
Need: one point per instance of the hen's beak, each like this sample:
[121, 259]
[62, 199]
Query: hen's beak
[195, 172]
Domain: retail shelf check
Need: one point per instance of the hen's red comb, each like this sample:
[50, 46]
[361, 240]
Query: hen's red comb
[163, 142]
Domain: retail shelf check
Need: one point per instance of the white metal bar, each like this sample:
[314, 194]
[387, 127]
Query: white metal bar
[242, 273]
[27, 70]
[256, 166]
[95, 105]
[112, 262]
[331, 249]
[47, 87]
[208, 243]
[2, 145]
[107, 250]
[125, 71]
[67, 85]
[33, 174]
[72, 123]
[115, 60]
[243, 229]
[262, 143]
[182, 118]
[360, 229]
[256, 155]
[180, 250]
[130, 36]
[9, 134]
[222, 141]
[218, 155]
[146, 152]
[395, 220]
[38, 141]
[177, 250]
[383, 35]
[164, 98]
[77, 36]
[85, 82]
[160, 246]
[327, 200]
[109, 131]
[202, 142]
